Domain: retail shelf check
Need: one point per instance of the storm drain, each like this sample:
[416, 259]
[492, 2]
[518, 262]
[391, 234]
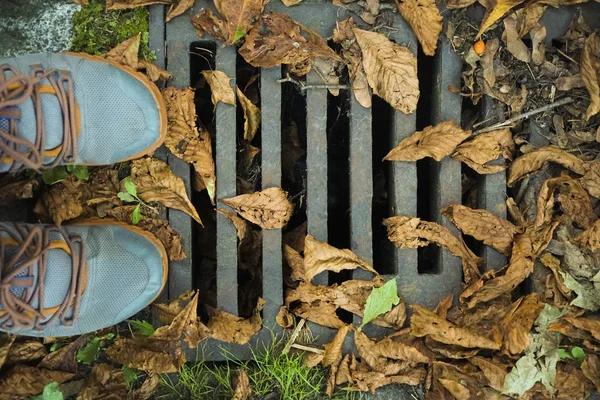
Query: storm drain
[345, 190]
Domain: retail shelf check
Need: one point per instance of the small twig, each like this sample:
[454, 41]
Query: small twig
[567, 57]
[304, 87]
[485, 121]
[293, 337]
[510, 122]
[307, 348]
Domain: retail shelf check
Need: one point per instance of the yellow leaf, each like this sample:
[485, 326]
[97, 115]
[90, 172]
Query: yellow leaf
[251, 115]
[424, 18]
[500, 8]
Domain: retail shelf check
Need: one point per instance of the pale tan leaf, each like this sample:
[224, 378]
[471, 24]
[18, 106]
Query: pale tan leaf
[269, 209]
[319, 257]
[251, 115]
[514, 44]
[436, 141]
[333, 349]
[565, 83]
[296, 263]
[538, 38]
[241, 226]
[536, 159]
[532, 12]
[590, 73]
[220, 88]
[500, 8]
[412, 233]
[372, 380]
[155, 181]
[515, 212]
[487, 62]
[179, 8]
[240, 16]
[486, 147]
[241, 385]
[395, 349]
[424, 18]
[289, 3]
[312, 359]
[232, 329]
[284, 318]
[369, 354]
[126, 53]
[591, 237]
[493, 231]
[6, 343]
[391, 70]
[453, 4]
[591, 179]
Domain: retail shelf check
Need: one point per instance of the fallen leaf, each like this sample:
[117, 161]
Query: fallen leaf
[155, 181]
[5, 344]
[240, 16]
[186, 140]
[454, 4]
[153, 72]
[591, 369]
[500, 8]
[126, 53]
[104, 379]
[284, 318]
[391, 70]
[368, 353]
[591, 179]
[538, 43]
[289, 3]
[532, 12]
[516, 324]
[424, 18]
[148, 388]
[281, 40]
[487, 62]
[25, 350]
[241, 226]
[125, 4]
[575, 203]
[241, 386]
[232, 329]
[591, 237]
[179, 8]
[25, 381]
[269, 209]
[493, 231]
[536, 159]
[427, 323]
[588, 292]
[319, 257]
[412, 233]
[590, 67]
[494, 372]
[394, 318]
[372, 380]
[168, 236]
[514, 44]
[296, 263]
[207, 21]
[333, 349]
[17, 189]
[63, 359]
[436, 141]
[566, 83]
[484, 148]
[553, 264]
[220, 88]
[380, 301]
[251, 116]
[166, 313]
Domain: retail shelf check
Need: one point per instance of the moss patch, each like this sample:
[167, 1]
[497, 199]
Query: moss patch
[96, 31]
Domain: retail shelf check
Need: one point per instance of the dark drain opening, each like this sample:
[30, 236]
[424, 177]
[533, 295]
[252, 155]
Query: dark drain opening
[429, 256]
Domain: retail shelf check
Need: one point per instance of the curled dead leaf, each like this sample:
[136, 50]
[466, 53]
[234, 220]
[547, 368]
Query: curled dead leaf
[232, 329]
[591, 369]
[167, 236]
[23, 381]
[64, 359]
[241, 385]
[591, 179]
[269, 209]
[517, 323]
[536, 159]
[153, 72]
[104, 379]
[284, 318]
[538, 37]
[424, 18]
[590, 73]
[220, 88]
[251, 116]
[126, 52]
[436, 141]
[514, 44]
[167, 312]
[333, 349]
[591, 237]
[486, 147]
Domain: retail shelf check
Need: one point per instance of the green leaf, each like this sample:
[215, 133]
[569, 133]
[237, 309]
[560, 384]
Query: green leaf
[578, 354]
[144, 328]
[239, 33]
[55, 346]
[126, 197]
[80, 172]
[50, 392]
[88, 353]
[130, 375]
[380, 301]
[54, 175]
[130, 187]
[563, 354]
[136, 215]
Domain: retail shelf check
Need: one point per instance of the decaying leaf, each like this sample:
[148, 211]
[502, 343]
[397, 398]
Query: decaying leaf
[424, 18]
[220, 88]
[207, 21]
[167, 235]
[427, 323]
[251, 115]
[591, 369]
[25, 350]
[591, 179]
[436, 141]
[590, 73]
[493, 371]
[17, 189]
[296, 263]
[5, 344]
[237, 18]
[104, 379]
[23, 381]
[241, 385]
[284, 318]
[155, 181]
[588, 292]
[536, 159]
[591, 237]
[64, 359]
[483, 225]
[538, 37]
[487, 61]
[178, 8]
[390, 69]
[269, 209]
[186, 140]
[281, 40]
[516, 324]
[167, 312]
[232, 329]
[126, 53]
[514, 44]
[148, 388]
[500, 8]
[319, 257]
[412, 233]
[333, 349]
[566, 83]
[484, 148]
[153, 72]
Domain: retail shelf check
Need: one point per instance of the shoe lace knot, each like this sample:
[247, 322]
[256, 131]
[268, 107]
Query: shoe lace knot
[23, 266]
[15, 88]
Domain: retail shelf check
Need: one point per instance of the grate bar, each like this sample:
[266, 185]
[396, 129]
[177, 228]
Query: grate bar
[226, 149]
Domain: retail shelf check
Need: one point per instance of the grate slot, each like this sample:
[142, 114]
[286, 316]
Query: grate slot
[226, 154]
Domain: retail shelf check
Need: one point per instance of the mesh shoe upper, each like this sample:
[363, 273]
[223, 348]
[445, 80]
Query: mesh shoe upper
[122, 272]
[119, 114]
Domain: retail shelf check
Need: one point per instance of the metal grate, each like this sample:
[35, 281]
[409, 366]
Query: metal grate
[414, 189]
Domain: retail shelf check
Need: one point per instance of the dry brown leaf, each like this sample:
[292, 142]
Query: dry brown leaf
[369, 381]
[23, 381]
[269, 209]
[565, 83]
[241, 226]
[153, 72]
[251, 116]
[424, 18]
[514, 44]
[125, 4]
[207, 21]
[536, 159]
[281, 40]
[553, 264]
[516, 324]
[499, 9]
[532, 12]
[495, 373]
[105, 382]
[319, 257]
[167, 236]
[296, 263]
[63, 359]
[17, 189]
[577, 327]
[166, 313]
[394, 318]
[148, 388]
[436, 141]
[155, 181]
[538, 38]
[391, 70]
[591, 179]
[454, 4]
[241, 386]
[591, 369]
[24, 351]
[427, 323]
[493, 231]
[333, 349]
[232, 329]
[412, 233]
[220, 88]
[240, 16]
[591, 237]
[487, 61]
[289, 3]
[590, 73]
[126, 53]
[179, 8]
[367, 351]
[186, 140]
[484, 148]
[575, 203]
[5, 344]
[410, 351]
[284, 318]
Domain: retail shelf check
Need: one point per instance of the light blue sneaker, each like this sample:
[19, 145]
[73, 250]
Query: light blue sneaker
[58, 109]
[71, 280]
